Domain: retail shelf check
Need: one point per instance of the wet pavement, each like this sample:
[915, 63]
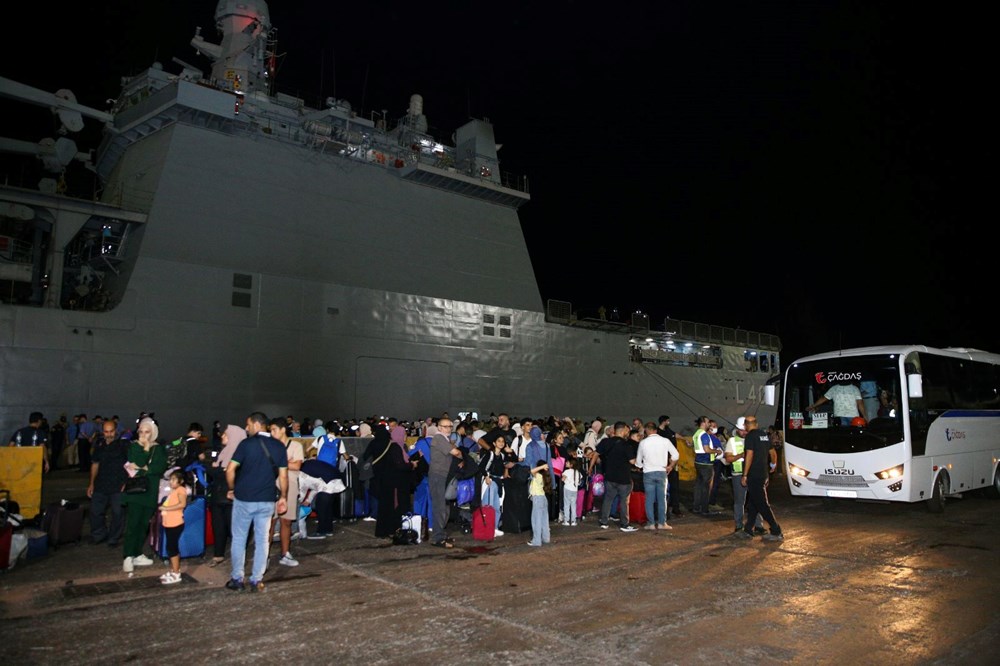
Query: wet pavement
[851, 583]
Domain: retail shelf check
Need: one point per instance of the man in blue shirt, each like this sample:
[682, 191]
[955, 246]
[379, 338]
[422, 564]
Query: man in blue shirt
[257, 472]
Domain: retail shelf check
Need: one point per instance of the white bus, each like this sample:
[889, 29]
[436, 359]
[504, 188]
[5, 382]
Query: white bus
[932, 429]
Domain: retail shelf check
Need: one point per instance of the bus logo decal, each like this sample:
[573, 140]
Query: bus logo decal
[826, 377]
[950, 434]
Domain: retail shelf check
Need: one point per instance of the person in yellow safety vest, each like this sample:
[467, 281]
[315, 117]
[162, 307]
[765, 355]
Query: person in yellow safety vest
[704, 465]
[734, 456]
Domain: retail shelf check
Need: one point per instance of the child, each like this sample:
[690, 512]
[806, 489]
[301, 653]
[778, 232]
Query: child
[570, 490]
[172, 517]
[539, 504]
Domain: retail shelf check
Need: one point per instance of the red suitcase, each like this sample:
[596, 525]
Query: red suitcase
[637, 509]
[484, 521]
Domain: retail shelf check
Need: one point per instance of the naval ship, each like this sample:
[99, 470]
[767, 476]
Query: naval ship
[247, 252]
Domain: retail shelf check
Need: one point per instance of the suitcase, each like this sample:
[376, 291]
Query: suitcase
[192, 541]
[63, 522]
[484, 520]
[209, 530]
[637, 508]
[343, 508]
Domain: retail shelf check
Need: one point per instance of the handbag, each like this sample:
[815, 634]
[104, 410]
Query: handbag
[136, 485]
[465, 490]
[366, 470]
[451, 490]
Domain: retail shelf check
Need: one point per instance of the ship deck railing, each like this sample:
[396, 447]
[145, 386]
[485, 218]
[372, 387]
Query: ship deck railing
[561, 312]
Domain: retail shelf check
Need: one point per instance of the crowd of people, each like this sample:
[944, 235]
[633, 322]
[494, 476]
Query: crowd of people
[264, 478]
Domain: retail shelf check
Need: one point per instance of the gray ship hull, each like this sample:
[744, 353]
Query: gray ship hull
[265, 264]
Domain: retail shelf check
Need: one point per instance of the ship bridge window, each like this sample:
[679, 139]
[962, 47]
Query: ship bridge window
[504, 332]
[751, 361]
[489, 330]
[488, 319]
[505, 320]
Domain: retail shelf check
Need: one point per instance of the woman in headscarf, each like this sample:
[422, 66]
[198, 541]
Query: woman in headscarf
[391, 483]
[222, 506]
[145, 458]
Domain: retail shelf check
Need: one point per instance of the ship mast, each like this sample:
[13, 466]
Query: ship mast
[242, 62]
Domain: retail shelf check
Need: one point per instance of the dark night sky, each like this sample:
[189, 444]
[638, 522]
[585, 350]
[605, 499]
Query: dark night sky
[814, 170]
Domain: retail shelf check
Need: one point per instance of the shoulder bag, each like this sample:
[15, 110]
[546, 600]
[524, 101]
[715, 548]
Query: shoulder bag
[277, 490]
[366, 470]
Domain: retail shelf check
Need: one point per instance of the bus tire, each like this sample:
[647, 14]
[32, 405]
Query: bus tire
[993, 492]
[936, 503]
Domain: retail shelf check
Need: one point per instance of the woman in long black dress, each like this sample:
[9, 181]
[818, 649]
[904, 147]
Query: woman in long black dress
[391, 483]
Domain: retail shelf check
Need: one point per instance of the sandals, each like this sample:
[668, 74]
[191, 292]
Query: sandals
[216, 561]
[443, 544]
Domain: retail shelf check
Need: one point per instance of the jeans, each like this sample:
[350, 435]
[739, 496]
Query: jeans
[491, 497]
[739, 498]
[259, 515]
[539, 520]
[611, 491]
[701, 484]
[99, 505]
[656, 495]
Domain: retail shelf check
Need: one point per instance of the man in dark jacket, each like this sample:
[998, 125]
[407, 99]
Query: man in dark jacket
[616, 461]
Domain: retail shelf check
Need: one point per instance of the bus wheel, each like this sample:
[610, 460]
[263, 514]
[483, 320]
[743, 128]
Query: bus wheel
[994, 490]
[936, 503]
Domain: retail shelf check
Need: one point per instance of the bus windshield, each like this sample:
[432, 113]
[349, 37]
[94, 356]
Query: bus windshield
[844, 404]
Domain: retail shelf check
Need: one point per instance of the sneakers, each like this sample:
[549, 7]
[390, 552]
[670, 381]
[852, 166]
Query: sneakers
[774, 537]
[604, 526]
[368, 519]
[141, 561]
[127, 567]
[257, 587]
[319, 535]
[649, 526]
[629, 528]
[759, 531]
[564, 523]
[235, 585]
[574, 524]
[288, 561]
[170, 578]
[497, 533]
[664, 526]
[743, 534]
[715, 507]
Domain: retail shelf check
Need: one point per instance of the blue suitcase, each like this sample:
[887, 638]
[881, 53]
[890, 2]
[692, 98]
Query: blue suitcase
[192, 543]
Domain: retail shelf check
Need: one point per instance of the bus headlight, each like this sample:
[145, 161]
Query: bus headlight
[891, 473]
[795, 470]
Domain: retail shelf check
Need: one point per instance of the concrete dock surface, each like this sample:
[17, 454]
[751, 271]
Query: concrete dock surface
[852, 583]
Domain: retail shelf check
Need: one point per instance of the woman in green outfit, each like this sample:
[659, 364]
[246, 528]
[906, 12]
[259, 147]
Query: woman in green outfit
[147, 458]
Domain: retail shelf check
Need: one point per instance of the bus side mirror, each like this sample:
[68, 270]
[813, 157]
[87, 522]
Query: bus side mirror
[915, 385]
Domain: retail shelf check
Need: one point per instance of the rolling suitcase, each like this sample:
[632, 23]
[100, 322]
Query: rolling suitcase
[343, 508]
[637, 508]
[63, 522]
[484, 520]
